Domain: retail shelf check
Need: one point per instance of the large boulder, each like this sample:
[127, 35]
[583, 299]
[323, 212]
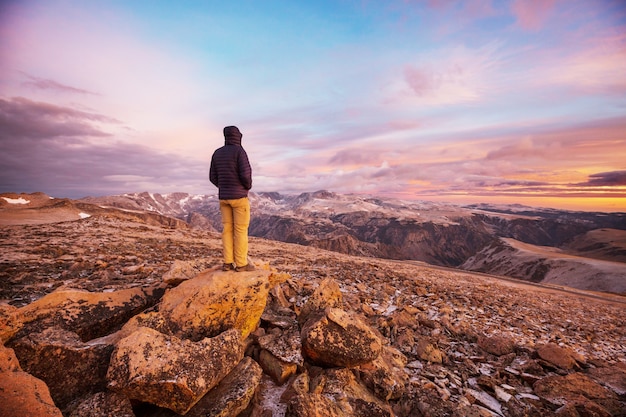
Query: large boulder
[89, 314]
[169, 372]
[338, 338]
[68, 366]
[215, 301]
[21, 394]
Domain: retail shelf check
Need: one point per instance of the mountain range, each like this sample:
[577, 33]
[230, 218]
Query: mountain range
[584, 250]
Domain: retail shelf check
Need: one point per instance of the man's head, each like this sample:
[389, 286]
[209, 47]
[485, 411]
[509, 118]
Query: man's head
[232, 135]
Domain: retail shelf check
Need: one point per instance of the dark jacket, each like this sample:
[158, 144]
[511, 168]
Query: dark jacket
[230, 169]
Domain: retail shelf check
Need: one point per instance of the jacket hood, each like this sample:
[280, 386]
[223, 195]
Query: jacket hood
[232, 135]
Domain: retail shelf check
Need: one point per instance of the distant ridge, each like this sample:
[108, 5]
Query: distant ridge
[579, 249]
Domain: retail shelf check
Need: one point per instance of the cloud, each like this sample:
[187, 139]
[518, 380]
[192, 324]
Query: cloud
[50, 148]
[523, 148]
[46, 84]
[606, 179]
[532, 14]
[356, 157]
[24, 118]
[455, 74]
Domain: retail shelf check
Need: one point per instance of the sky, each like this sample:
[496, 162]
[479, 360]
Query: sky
[492, 101]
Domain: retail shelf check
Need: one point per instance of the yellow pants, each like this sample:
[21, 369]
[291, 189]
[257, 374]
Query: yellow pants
[236, 219]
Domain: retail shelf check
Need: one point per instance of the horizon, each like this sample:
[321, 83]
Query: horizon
[465, 102]
[360, 195]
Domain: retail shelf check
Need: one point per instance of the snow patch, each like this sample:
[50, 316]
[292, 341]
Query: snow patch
[16, 200]
[83, 215]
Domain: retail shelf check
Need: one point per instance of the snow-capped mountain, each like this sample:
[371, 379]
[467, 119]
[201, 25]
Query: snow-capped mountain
[482, 237]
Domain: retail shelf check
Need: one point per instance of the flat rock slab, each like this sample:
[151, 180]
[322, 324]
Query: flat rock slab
[215, 301]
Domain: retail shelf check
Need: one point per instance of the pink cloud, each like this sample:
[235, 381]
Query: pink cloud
[470, 9]
[419, 80]
[452, 75]
[532, 14]
[48, 84]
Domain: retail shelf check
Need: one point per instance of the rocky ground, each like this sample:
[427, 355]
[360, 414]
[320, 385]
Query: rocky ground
[463, 344]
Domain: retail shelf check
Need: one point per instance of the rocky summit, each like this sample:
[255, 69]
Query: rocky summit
[129, 314]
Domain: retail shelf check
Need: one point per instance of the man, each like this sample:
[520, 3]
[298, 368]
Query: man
[231, 173]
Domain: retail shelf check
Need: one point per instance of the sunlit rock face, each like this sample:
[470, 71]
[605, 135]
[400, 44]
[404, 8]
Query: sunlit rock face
[337, 338]
[68, 366]
[22, 394]
[213, 302]
[169, 372]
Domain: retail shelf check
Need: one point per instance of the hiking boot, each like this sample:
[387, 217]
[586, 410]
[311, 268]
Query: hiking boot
[248, 267]
[228, 267]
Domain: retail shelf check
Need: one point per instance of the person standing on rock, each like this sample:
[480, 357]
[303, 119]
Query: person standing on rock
[231, 173]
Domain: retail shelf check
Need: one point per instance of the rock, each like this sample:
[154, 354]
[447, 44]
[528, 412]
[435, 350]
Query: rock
[216, 301]
[496, 345]
[169, 372]
[104, 404]
[285, 345]
[181, 271]
[385, 376]
[405, 340]
[90, 315]
[281, 317]
[561, 357]
[22, 394]
[314, 405]
[611, 377]
[68, 366]
[299, 385]
[8, 360]
[404, 318]
[278, 297]
[10, 322]
[350, 394]
[337, 338]
[327, 294]
[473, 410]
[426, 351]
[582, 408]
[576, 388]
[233, 394]
[153, 320]
[279, 370]
[484, 399]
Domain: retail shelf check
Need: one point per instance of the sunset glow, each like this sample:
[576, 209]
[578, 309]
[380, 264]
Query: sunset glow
[511, 102]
